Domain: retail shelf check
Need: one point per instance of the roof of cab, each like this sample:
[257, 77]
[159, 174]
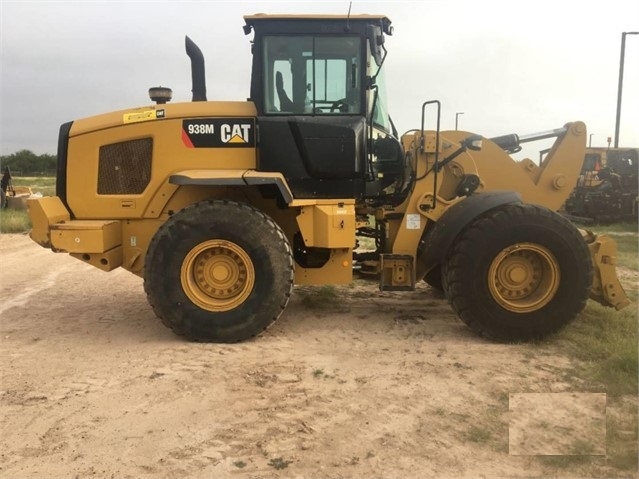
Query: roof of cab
[281, 16]
[263, 19]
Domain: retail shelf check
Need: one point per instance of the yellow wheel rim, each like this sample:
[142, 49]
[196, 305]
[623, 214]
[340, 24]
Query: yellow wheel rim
[523, 277]
[217, 275]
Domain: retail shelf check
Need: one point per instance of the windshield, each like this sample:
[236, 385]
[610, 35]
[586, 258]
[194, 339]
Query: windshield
[378, 99]
[312, 75]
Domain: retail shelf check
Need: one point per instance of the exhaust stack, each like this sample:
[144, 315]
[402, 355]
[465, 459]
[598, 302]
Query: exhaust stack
[197, 70]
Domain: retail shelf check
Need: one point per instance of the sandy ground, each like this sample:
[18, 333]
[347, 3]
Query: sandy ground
[387, 385]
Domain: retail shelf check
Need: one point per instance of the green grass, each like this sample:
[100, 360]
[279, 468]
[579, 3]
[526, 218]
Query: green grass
[604, 339]
[38, 184]
[17, 221]
[567, 461]
[627, 249]
[621, 227]
[14, 221]
[622, 448]
[605, 343]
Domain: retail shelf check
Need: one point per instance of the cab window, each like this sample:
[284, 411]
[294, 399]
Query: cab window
[312, 75]
[377, 101]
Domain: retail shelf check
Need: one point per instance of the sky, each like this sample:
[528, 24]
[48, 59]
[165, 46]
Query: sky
[497, 67]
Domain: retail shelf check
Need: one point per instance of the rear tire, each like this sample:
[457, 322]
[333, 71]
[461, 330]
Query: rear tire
[518, 273]
[218, 271]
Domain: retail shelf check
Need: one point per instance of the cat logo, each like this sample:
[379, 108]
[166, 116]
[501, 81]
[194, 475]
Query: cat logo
[219, 133]
[236, 133]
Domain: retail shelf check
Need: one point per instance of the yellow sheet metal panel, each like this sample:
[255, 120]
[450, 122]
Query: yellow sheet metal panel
[338, 270]
[86, 236]
[44, 212]
[160, 113]
[121, 193]
[548, 184]
[107, 261]
[328, 226]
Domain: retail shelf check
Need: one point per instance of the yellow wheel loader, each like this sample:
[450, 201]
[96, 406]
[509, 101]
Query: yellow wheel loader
[222, 207]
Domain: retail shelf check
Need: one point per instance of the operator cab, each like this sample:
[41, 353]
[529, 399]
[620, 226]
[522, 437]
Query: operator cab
[318, 86]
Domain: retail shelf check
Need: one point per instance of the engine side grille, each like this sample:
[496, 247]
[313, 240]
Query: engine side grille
[125, 168]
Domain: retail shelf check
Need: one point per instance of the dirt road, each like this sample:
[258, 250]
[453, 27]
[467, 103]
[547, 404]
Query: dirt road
[367, 385]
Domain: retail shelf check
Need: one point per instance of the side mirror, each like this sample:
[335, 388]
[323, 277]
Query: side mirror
[375, 40]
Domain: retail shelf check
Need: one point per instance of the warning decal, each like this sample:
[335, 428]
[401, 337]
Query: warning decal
[142, 115]
[219, 133]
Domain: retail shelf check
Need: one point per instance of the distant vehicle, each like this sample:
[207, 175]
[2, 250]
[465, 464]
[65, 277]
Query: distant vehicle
[5, 186]
[607, 188]
[13, 197]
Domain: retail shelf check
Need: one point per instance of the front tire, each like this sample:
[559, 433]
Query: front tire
[218, 271]
[518, 273]
[434, 279]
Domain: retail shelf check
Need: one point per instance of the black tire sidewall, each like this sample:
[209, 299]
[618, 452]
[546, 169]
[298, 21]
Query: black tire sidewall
[481, 247]
[248, 229]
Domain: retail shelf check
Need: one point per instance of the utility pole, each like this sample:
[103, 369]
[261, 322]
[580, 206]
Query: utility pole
[621, 60]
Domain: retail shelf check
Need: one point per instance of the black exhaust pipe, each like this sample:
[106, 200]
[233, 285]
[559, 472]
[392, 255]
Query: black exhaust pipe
[197, 70]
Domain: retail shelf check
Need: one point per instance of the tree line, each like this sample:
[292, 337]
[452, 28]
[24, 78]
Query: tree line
[27, 163]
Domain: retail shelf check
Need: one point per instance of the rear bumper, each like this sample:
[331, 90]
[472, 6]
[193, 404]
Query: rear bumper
[97, 242]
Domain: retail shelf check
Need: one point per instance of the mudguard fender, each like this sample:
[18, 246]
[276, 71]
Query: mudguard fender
[437, 238]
